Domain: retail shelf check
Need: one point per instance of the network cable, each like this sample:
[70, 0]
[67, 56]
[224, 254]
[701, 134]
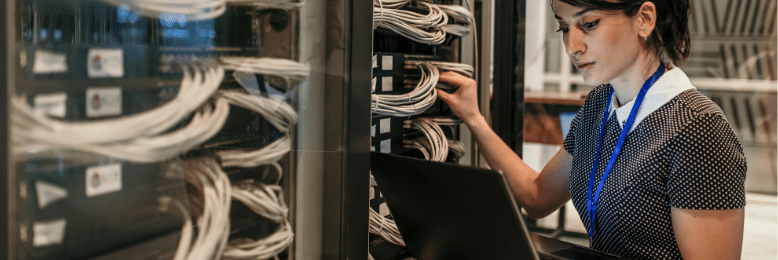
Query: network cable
[288, 69]
[267, 201]
[421, 98]
[438, 144]
[212, 187]
[412, 25]
[196, 87]
[385, 228]
[277, 4]
[194, 10]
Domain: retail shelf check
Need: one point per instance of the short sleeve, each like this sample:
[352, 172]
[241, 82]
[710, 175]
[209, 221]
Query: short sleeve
[707, 168]
[569, 142]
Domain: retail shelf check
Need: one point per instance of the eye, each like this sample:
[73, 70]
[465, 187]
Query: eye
[563, 29]
[590, 24]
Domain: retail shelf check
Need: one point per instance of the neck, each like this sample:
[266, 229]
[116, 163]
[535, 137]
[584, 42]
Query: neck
[627, 86]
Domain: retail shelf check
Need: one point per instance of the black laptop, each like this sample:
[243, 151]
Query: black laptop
[448, 211]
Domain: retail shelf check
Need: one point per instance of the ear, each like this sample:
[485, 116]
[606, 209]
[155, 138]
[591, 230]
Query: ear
[646, 19]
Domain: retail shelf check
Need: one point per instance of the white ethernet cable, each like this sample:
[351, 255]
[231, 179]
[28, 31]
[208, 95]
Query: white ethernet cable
[213, 225]
[286, 68]
[206, 123]
[447, 120]
[192, 10]
[385, 228]
[464, 69]
[420, 144]
[457, 148]
[416, 102]
[418, 27]
[195, 90]
[265, 248]
[278, 4]
[267, 201]
[437, 139]
[394, 4]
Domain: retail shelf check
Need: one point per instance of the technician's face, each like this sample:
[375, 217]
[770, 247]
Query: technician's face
[601, 44]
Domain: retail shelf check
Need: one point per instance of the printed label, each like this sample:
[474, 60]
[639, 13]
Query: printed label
[372, 130]
[387, 62]
[372, 148]
[375, 61]
[385, 125]
[386, 146]
[386, 84]
[51, 104]
[103, 102]
[372, 87]
[49, 62]
[103, 179]
[49, 193]
[105, 63]
[48, 233]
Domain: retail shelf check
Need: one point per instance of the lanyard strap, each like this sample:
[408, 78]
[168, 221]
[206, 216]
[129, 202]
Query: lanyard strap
[592, 200]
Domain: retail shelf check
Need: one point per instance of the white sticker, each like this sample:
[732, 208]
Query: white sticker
[49, 62]
[51, 104]
[48, 233]
[387, 62]
[105, 63]
[103, 179]
[372, 89]
[375, 61]
[383, 210]
[372, 130]
[49, 193]
[372, 148]
[386, 146]
[385, 125]
[103, 102]
[386, 84]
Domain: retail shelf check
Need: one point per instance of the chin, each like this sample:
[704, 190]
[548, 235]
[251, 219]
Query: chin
[593, 81]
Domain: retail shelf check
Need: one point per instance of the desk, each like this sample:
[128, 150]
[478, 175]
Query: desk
[564, 250]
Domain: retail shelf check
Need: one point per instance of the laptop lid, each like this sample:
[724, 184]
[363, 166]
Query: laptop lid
[448, 211]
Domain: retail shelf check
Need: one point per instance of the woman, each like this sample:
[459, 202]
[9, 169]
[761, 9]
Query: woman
[675, 187]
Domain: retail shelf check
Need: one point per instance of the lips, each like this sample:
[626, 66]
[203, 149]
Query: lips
[584, 65]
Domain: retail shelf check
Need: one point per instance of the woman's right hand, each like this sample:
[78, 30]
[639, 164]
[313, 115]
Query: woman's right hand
[464, 101]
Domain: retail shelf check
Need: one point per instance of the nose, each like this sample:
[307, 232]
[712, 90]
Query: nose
[574, 43]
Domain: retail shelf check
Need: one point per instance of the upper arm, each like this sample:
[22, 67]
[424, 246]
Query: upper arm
[708, 234]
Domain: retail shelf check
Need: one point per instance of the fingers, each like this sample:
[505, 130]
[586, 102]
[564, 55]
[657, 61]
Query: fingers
[456, 79]
[445, 96]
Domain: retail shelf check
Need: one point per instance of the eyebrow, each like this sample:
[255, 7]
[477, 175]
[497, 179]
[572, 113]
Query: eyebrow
[575, 14]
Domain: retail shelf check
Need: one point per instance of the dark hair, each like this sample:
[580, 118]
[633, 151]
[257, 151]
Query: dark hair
[671, 35]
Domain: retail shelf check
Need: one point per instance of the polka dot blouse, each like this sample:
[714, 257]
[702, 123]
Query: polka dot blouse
[683, 154]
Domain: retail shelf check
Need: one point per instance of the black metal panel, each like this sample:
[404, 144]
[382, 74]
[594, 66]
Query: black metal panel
[347, 129]
[6, 174]
[508, 96]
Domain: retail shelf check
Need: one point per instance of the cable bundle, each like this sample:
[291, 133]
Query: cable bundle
[437, 144]
[267, 201]
[141, 137]
[417, 101]
[385, 228]
[212, 194]
[464, 69]
[430, 28]
[457, 149]
[277, 4]
[285, 68]
[194, 10]
[412, 25]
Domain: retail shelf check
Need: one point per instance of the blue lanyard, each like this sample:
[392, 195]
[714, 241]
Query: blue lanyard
[592, 201]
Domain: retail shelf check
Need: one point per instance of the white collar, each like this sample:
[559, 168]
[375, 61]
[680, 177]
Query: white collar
[669, 85]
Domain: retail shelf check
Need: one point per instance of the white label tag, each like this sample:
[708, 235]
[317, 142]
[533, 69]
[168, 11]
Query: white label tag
[51, 104]
[383, 210]
[372, 89]
[105, 63]
[49, 193]
[103, 179]
[49, 62]
[385, 125]
[386, 146]
[372, 130]
[375, 61]
[386, 84]
[372, 148]
[48, 233]
[103, 102]
[387, 62]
